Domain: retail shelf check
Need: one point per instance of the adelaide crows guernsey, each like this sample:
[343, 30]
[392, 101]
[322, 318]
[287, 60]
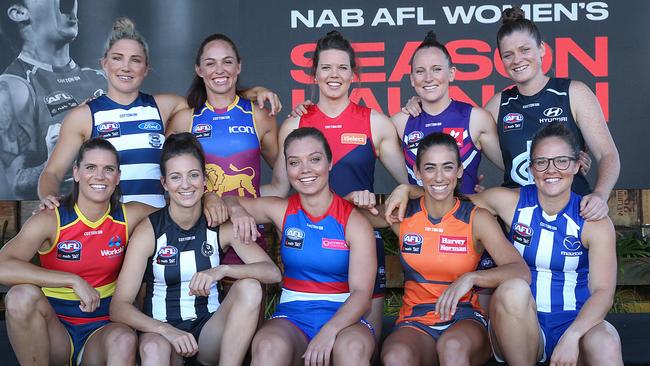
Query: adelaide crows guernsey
[454, 120]
[551, 246]
[521, 116]
[92, 250]
[137, 132]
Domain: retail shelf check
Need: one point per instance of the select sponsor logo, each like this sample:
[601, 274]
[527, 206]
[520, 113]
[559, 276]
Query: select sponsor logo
[202, 130]
[336, 244]
[167, 256]
[452, 244]
[456, 133]
[513, 121]
[150, 126]
[294, 238]
[522, 233]
[59, 101]
[412, 243]
[69, 250]
[109, 130]
[354, 138]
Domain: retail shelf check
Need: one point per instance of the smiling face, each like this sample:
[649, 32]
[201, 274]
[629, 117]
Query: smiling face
[553, 182]
[125, 66]
[439, 171]
[219, 67]
[97, 175]
[184, 180]
[431, 74]
[334, 74]
[307, 165]
[521, 56]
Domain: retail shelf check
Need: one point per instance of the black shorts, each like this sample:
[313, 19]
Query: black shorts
[193, 326]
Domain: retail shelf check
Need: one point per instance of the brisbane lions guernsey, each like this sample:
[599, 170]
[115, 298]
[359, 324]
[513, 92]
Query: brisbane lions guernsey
[137, 132]
[521, 116]
[350, 138]
[314, 253]
[551, 246]
[454, 120]
[178, 255]
[434, 253]
[92, 250]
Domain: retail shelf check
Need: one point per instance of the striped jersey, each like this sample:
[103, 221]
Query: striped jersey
[315, 253]
[434, 252]
[137, 132]
[552, 248]
[93, 250]
[178, 255]
[454, 120]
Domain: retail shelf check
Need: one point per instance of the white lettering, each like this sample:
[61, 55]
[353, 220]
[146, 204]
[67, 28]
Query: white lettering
[327, 17]
[459, 11]
[306, 21]
[383, 16]
[351, 17]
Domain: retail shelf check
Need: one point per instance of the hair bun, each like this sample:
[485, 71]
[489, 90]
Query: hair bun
[430, 37]
[123, 24]
[512, 15]
[334, 34]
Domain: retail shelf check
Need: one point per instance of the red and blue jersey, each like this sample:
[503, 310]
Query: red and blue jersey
[93, 250]
[350, 138]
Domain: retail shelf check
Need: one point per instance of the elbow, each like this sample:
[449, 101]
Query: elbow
[524, 272]
[114, 311]
[276, 275]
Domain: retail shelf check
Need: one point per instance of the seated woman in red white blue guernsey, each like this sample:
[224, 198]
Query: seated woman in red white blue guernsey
[58, 313]
[329, 259]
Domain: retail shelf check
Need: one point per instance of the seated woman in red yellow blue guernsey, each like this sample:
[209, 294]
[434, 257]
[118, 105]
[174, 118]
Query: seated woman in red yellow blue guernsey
[58, 313]
[177, 255]
[328, 253]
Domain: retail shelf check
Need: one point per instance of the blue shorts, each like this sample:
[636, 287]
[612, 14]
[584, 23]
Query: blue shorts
[436, 330]
[380, 278]
[310, 316]
[553, 326]
[79, 335]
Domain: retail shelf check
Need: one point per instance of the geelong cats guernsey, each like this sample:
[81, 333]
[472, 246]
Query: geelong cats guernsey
[454, 121]
[551, 246]
[178, 255]
[137, 132]
[92, 250]
[521, 116]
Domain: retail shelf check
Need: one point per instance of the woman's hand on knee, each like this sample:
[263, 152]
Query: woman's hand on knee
[566, 352]
[320, 348]
[183, 342]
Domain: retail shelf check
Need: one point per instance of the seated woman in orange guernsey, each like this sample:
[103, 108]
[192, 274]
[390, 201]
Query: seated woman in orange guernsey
[442, 237]
[58, 310]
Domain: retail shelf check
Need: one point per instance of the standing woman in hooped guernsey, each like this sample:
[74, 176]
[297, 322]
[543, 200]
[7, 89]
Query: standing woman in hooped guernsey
[536, 100]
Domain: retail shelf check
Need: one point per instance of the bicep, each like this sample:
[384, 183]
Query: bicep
[269, 138]
[140, 248]
[388, 146]
[488, 232]
[363, 255]
[76, 128]
[600, 238]
[37, 231]
[168, 105]
[180, 122]
[589, 117]
[482, 125]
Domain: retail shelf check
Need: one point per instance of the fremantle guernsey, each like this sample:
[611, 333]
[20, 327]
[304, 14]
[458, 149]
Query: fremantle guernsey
[454, 120]
[551, 246]
[521, 116]
[137, 132]
[178, 255]
[92, 250]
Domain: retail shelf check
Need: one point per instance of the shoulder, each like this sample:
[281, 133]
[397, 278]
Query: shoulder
[181, 121]
[377, 117]
[46, 221]
[20, 88]
[262, 117]
[493, 105]
[578, 92]
[601, 231]
[481, 117]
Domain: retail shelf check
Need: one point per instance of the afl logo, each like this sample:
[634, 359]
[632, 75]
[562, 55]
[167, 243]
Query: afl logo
[412, 239]
[295, 233]
[108, 127]
[553, 112]
[149, 126]
[167, 256]
[513, 118]
[523, 230]
[71, 246]
[415, 136]
[202, 128]
[572, 243]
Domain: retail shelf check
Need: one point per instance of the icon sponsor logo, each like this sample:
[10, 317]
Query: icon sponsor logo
[573, 245]
[354, 138]
[167, 256]
[513, 121]
[452, 244]
[456, 133]
[241, 129]
[202, 130]
[150, 126]
[294, 238]
[69, 250]
[522, 233]
[59, 101]
[335, 244]
[412, 243]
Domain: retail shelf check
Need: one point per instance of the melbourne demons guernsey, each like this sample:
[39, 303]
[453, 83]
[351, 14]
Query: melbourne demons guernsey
[232, 148]
[551, 246]
[434, 253]
[137, 132]
[350, 138]
[92, 250]
[314, 253]
[178, 255]
[454, 120]
[521, 116]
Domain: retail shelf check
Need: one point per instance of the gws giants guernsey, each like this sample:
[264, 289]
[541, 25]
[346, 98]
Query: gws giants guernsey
[178, 255]
[551, 246]
[92, 250]
[137, 132]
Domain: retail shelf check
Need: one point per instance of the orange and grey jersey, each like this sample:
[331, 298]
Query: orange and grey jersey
[93, 250]
[434, 252]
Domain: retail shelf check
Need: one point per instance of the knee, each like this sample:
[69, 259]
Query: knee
[154, 349]
[122, 341]
[451, 351]
[397, 354]
[513, 297]
[248, 293]
[266, 348]
[20, 301]
[349, 348]
[604, 345]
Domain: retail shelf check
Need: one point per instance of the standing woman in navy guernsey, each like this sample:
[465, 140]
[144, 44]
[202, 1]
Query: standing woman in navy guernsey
[177, 255]
[233, 131]
[536, 100]
[133, 121]
[58, 313]
[357, 135]
[328, 253]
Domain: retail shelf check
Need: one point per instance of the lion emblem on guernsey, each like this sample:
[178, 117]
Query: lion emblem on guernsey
[220, 182]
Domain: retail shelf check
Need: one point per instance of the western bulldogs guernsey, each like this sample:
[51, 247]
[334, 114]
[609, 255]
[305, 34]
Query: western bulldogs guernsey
[551, 247]
[353, 153]
[137, 132]
[232, 148]
[454, 120]
[520, 117]
[92, 250]
[178, 255]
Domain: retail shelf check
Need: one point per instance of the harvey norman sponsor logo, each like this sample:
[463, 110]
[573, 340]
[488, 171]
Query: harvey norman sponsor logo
[452, 244]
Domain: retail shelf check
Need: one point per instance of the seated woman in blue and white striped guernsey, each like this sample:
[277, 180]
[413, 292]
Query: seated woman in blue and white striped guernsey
[177, 254]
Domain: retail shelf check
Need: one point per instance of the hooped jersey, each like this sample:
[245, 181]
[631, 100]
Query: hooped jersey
[454, 120]
[521, 116]
[138, 133]
[434, 253]
[232, 148]
[315, 253]
[177, 256]
[353, 153]
[551, 246]
[93, 250]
